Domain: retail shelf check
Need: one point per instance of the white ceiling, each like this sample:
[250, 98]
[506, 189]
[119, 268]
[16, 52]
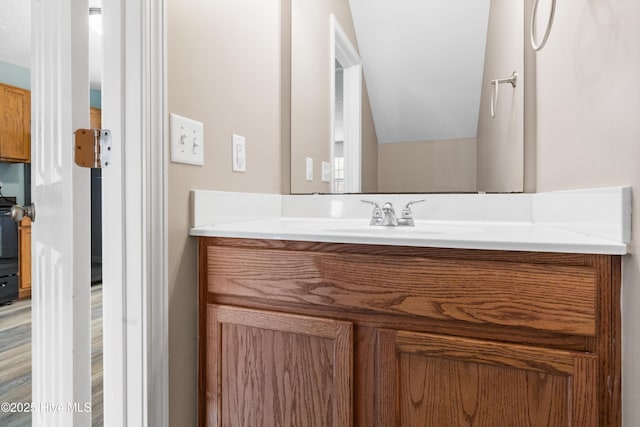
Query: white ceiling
[15, 38]
[423, 64]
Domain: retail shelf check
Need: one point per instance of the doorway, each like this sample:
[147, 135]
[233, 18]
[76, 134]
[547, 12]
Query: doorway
[135, 308]
[346, 113]
[15, 173]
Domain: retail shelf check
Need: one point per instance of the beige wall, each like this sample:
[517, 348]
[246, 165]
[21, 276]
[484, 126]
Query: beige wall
[311, 94]
[427, 166]
[588, 132]
[369, 146]
[500, 148]
[228, 67]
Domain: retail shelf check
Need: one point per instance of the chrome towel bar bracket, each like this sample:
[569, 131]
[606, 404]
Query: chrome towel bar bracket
[513, 80]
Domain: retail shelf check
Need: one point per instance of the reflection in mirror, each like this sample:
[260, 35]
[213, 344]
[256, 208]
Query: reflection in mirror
[346, 94]
[424, 120]
[337, 183]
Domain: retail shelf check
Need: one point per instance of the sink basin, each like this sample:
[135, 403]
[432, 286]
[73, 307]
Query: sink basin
[402, 230]
[362, 227]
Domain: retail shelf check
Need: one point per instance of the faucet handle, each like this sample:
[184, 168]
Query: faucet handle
[406, 212]
[371, 202]
[376, 215]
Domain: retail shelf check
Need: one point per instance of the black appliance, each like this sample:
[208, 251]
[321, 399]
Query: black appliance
[8, 252]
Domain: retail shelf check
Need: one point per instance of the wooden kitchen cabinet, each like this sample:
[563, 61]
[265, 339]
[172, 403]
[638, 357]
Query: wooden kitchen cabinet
[15, 124]
[440, 337]
[95, 118]
[24, 258]
[277, 369]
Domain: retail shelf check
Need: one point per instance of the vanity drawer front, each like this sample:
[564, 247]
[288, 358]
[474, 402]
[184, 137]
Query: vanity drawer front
[548, 297]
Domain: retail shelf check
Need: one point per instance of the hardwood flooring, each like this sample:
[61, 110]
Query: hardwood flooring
[15, 359]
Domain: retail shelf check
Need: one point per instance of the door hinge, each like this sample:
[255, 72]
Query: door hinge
[92, 148]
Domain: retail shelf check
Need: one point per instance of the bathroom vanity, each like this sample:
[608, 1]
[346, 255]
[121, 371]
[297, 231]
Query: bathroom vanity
[297, 332]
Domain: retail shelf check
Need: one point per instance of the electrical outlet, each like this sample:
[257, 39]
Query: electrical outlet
[309, 169]
[187, 138]
[326, 172]
[239, 150]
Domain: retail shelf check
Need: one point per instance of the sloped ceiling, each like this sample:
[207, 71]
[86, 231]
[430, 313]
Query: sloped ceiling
[423, 64]
[15, 37]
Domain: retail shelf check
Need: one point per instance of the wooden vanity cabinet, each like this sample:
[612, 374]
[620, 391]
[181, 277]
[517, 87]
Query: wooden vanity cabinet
[432, 337]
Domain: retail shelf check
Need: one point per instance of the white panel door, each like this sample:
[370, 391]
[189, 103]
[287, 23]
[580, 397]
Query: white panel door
[61, 231]
[134, 212]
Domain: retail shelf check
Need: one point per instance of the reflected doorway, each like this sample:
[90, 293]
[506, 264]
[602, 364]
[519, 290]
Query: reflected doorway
[346, 118]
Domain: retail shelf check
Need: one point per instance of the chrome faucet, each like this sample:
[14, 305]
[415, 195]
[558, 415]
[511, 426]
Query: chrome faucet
[386, 216]
[390, 219]
[407, 215]
[376, 214]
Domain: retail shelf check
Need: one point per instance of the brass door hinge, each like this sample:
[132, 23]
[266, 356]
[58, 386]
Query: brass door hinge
[92, 148]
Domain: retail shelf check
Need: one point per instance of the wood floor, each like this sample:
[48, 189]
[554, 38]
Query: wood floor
[15, 358]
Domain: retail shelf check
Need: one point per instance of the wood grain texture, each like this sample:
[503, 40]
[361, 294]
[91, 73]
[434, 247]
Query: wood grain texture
[24, 259]
[15, 359]
[549, 297]
[441, 380]
[291, 290]
[364, 404]
[15, 124]
[418, 324]
[608, 344]
[95, 118]
[205, 334]
[271, 369]
[555, 258]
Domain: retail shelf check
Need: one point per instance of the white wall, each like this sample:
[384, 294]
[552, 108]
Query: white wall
[588, 132]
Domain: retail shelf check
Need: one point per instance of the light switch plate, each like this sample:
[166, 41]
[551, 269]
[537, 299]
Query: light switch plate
[239, 150]
[309, 169]
[187, 140]
[326, 172]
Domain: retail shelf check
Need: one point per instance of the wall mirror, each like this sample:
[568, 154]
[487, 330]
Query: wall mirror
[396, 97]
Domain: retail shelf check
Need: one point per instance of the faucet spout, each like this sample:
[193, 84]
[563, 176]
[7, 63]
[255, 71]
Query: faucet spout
[389, 219]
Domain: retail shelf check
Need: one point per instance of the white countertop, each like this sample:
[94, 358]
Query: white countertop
[599, 235]
[461, 235]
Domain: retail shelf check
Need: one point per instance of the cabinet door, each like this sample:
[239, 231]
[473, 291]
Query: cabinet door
[272, 369]
[15, 123]
[432, 380]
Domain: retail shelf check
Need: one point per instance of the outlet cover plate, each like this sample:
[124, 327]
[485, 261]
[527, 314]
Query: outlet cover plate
[239, 153]
[309, 169]
[326, 172]
[187, 140]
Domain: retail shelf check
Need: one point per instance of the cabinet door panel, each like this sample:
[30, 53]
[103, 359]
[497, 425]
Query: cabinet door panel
[273, 369]
[24, 269]
[15, 123]
[429, 380]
